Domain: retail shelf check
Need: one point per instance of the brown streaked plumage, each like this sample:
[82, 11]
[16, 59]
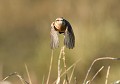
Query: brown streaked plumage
[59, 26]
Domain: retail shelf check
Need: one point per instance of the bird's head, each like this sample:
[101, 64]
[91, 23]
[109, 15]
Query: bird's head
[59, 22]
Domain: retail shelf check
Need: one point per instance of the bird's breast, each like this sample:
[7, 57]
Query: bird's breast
[60, 27]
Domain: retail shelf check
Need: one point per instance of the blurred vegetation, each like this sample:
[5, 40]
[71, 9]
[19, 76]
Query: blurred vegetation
[25, 37]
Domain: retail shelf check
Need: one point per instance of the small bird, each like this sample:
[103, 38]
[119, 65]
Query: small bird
[62, 26]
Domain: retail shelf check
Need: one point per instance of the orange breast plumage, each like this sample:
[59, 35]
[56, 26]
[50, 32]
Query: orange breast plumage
[60, 27]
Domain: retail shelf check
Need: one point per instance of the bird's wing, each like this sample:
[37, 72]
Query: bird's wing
[69, 40]
[54, 37]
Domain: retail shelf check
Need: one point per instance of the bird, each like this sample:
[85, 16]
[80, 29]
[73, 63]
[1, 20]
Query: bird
[62, 26]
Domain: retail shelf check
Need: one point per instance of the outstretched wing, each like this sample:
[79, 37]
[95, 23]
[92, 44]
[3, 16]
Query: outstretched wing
[54, 37]
[69, 40]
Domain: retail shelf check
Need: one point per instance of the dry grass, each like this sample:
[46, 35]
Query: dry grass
[90, 81]
[98, 59]
[108, 71]
[59, 71]
[28, 74]
[67, 79]
[48, 78]
[16, 74]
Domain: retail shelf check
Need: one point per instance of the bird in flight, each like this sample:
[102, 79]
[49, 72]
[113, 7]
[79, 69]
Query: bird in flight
[62, 26]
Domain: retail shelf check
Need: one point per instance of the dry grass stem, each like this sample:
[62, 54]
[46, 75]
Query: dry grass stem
[59, 71]
[102, 58]
[48, 78]
[16, 74]
[72, 74]
[68, 69]
[75, 80]
[116, 82]
[71, 67]
[9, 76]
[96, 74]
[64, 61]
[28, 74]
[87, 82]
[108, 71]
[22, 80]
[64, 81]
